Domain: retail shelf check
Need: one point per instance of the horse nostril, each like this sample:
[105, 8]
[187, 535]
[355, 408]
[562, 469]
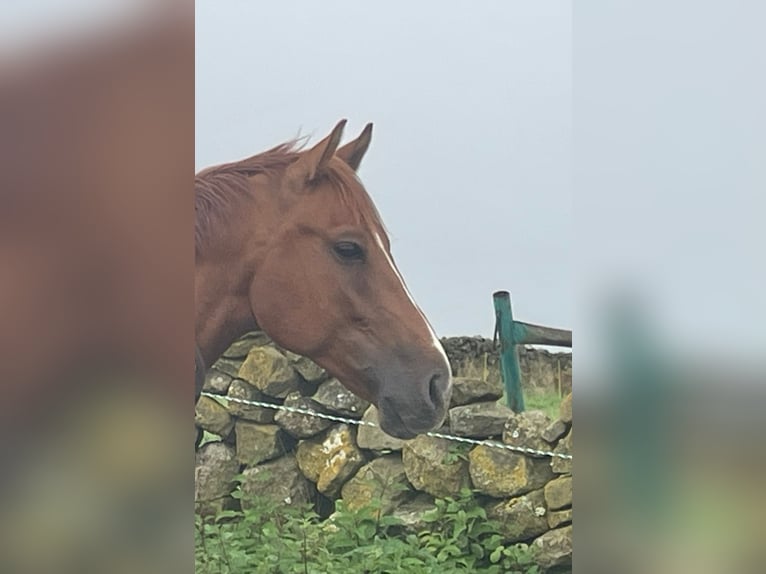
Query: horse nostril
[435, 389]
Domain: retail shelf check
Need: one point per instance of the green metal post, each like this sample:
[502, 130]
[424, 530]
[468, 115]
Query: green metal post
[509, 359]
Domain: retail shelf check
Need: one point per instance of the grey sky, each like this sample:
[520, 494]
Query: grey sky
[670, 141]
[470, 163]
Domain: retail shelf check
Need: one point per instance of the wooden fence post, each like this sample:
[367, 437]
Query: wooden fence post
[509, 358]
[512, 333]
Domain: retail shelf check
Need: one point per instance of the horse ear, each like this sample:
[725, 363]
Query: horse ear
[314, 159]
[353, 152]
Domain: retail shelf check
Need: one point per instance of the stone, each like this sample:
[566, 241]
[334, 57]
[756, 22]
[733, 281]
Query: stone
[270, 372]
[227, 366]
[526, 429]
[239, 349]
[467, 390]
[299, 425]
[373, 438]
[412, 513]
[431, 465]
[240, 389]
[479, 420]
[554, 431]
[257, 443]
[383, 479]
[502, 473]
[558, 518]
[336, 398]
[215, 469]
[520, 518]
[558, 492]
[308, 369]
[565, 410]
[216, 382]
[212, 416]
[330, 459]
[563, 465]
[554, 550]
[279, 481]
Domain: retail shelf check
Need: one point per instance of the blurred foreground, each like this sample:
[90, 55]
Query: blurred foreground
[96, 164]
[670, 461]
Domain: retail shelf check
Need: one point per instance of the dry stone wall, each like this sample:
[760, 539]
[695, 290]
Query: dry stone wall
[478, 358]
[296, 458]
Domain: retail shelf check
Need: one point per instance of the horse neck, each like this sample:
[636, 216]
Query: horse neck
[225, 271]
[222, 315]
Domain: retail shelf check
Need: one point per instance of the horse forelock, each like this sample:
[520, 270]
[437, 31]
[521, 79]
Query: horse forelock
[352, 193]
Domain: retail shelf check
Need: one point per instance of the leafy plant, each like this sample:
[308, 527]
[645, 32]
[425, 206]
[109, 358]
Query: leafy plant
[270, 537]
[461, 533]
[456, 452]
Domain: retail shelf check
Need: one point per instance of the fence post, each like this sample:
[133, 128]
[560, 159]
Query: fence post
[509, 359]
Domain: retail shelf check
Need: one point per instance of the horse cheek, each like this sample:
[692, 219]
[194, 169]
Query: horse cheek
[283, 309]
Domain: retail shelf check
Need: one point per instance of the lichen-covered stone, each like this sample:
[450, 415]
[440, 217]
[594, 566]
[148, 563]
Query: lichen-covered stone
[373, 438]
[558, 492]
[213, 417]
[270, 372]
[300, 425]
[336, 398]
[431, 466]
[563, 465]
[308, 369]
[554, 550]
[554, 431]
[521, 518]
[215, 468]
[565, 410]
[279, 481]
[479, 420]
[383, 479]
[239, 348]
[257, 443]
[502, 473]
[216, 382]
[558, 518]
[526, 429]
[466, 390]
[330, 459]
[228, 366]
[240, 389]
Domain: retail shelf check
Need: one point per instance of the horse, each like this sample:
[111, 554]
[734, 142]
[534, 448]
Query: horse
[289, 242]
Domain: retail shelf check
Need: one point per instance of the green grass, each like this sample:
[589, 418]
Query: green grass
[546, 401]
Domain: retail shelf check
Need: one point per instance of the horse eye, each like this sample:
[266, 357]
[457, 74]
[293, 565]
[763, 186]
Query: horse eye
[348, 251]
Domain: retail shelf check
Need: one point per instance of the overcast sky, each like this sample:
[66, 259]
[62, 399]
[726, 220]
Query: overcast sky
[669, 176]
[470, 162]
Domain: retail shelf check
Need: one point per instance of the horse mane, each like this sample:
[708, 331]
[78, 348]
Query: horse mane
[217, 189]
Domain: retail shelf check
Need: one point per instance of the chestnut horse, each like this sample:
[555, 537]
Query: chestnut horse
[289, 242]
